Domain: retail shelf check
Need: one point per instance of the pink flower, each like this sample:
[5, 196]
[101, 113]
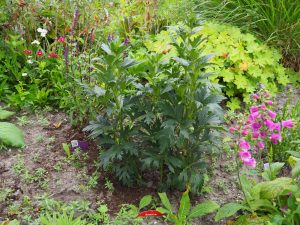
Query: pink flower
[244, 155]
[287, 123]
[263, 106]
[245, 132]
[256, 126]
[39, 53]
[255, 134]
[276, 126]
[246, 127]
[269, 123]
[250, 162]
[263, 134]
[269, 102]
[260, 145]
[232, 129]
[272, 114]
[61, 39]
[255, 96]
[27, 52]
[244, 145]
[253, 116]
[275, 138]
[253, 109]
[53, 55]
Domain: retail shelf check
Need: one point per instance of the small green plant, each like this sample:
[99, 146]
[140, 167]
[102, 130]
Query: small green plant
[67, 149]
[109, 185]
[40, 138]
[62, 219]
[58, 166]
[23, 121]
[19, 166]
[93, 180]
[185, 213]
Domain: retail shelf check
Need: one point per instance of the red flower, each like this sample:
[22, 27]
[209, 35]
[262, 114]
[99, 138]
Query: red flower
[61, 39]
[150, 213]
[27, 52]
[53, 55]
[39, 53]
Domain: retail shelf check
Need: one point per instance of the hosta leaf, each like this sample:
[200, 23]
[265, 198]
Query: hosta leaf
[228, 210]
[4, 114]
[203, 209]
[271, 189]
[11, 135]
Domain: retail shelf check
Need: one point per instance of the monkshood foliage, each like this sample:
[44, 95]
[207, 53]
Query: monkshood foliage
[162, 118]
[240, 61]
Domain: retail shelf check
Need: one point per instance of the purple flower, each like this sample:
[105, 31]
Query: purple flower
[110, 37]
[126, 41]
[275, 138]
[232, 129]
[255, 96]
[244, 145]
[75, 20]
[263, 106]
[287, 123]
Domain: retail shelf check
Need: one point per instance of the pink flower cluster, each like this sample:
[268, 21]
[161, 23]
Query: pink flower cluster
[260, 127]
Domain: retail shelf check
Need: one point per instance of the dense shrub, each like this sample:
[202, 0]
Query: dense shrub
[163, 119]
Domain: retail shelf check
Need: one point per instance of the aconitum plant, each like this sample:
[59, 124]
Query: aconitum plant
[259, 128]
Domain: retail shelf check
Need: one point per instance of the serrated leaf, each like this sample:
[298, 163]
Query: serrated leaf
[203, 209]
[11, 135]
[228, 210]
[146, 200]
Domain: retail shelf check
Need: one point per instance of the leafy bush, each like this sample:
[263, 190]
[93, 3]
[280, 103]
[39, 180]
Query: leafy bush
[165, 119]
[240, 61]
[276, 22]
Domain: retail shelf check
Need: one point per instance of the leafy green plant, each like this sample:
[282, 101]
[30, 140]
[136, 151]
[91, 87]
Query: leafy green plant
[276, 22]
[240, 61]
[185, 213]
[10, 135]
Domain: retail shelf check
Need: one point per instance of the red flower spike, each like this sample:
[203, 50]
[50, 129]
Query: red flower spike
[150, 213]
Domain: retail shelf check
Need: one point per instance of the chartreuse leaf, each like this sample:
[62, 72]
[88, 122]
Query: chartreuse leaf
[146, 200]
[184, 207]
[228, 210]
[165, 201]
[4, 114]
[203, 209]
[296, 169]
[11, 135]
[272, 189]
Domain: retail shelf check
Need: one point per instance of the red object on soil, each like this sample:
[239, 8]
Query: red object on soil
[150, 213]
